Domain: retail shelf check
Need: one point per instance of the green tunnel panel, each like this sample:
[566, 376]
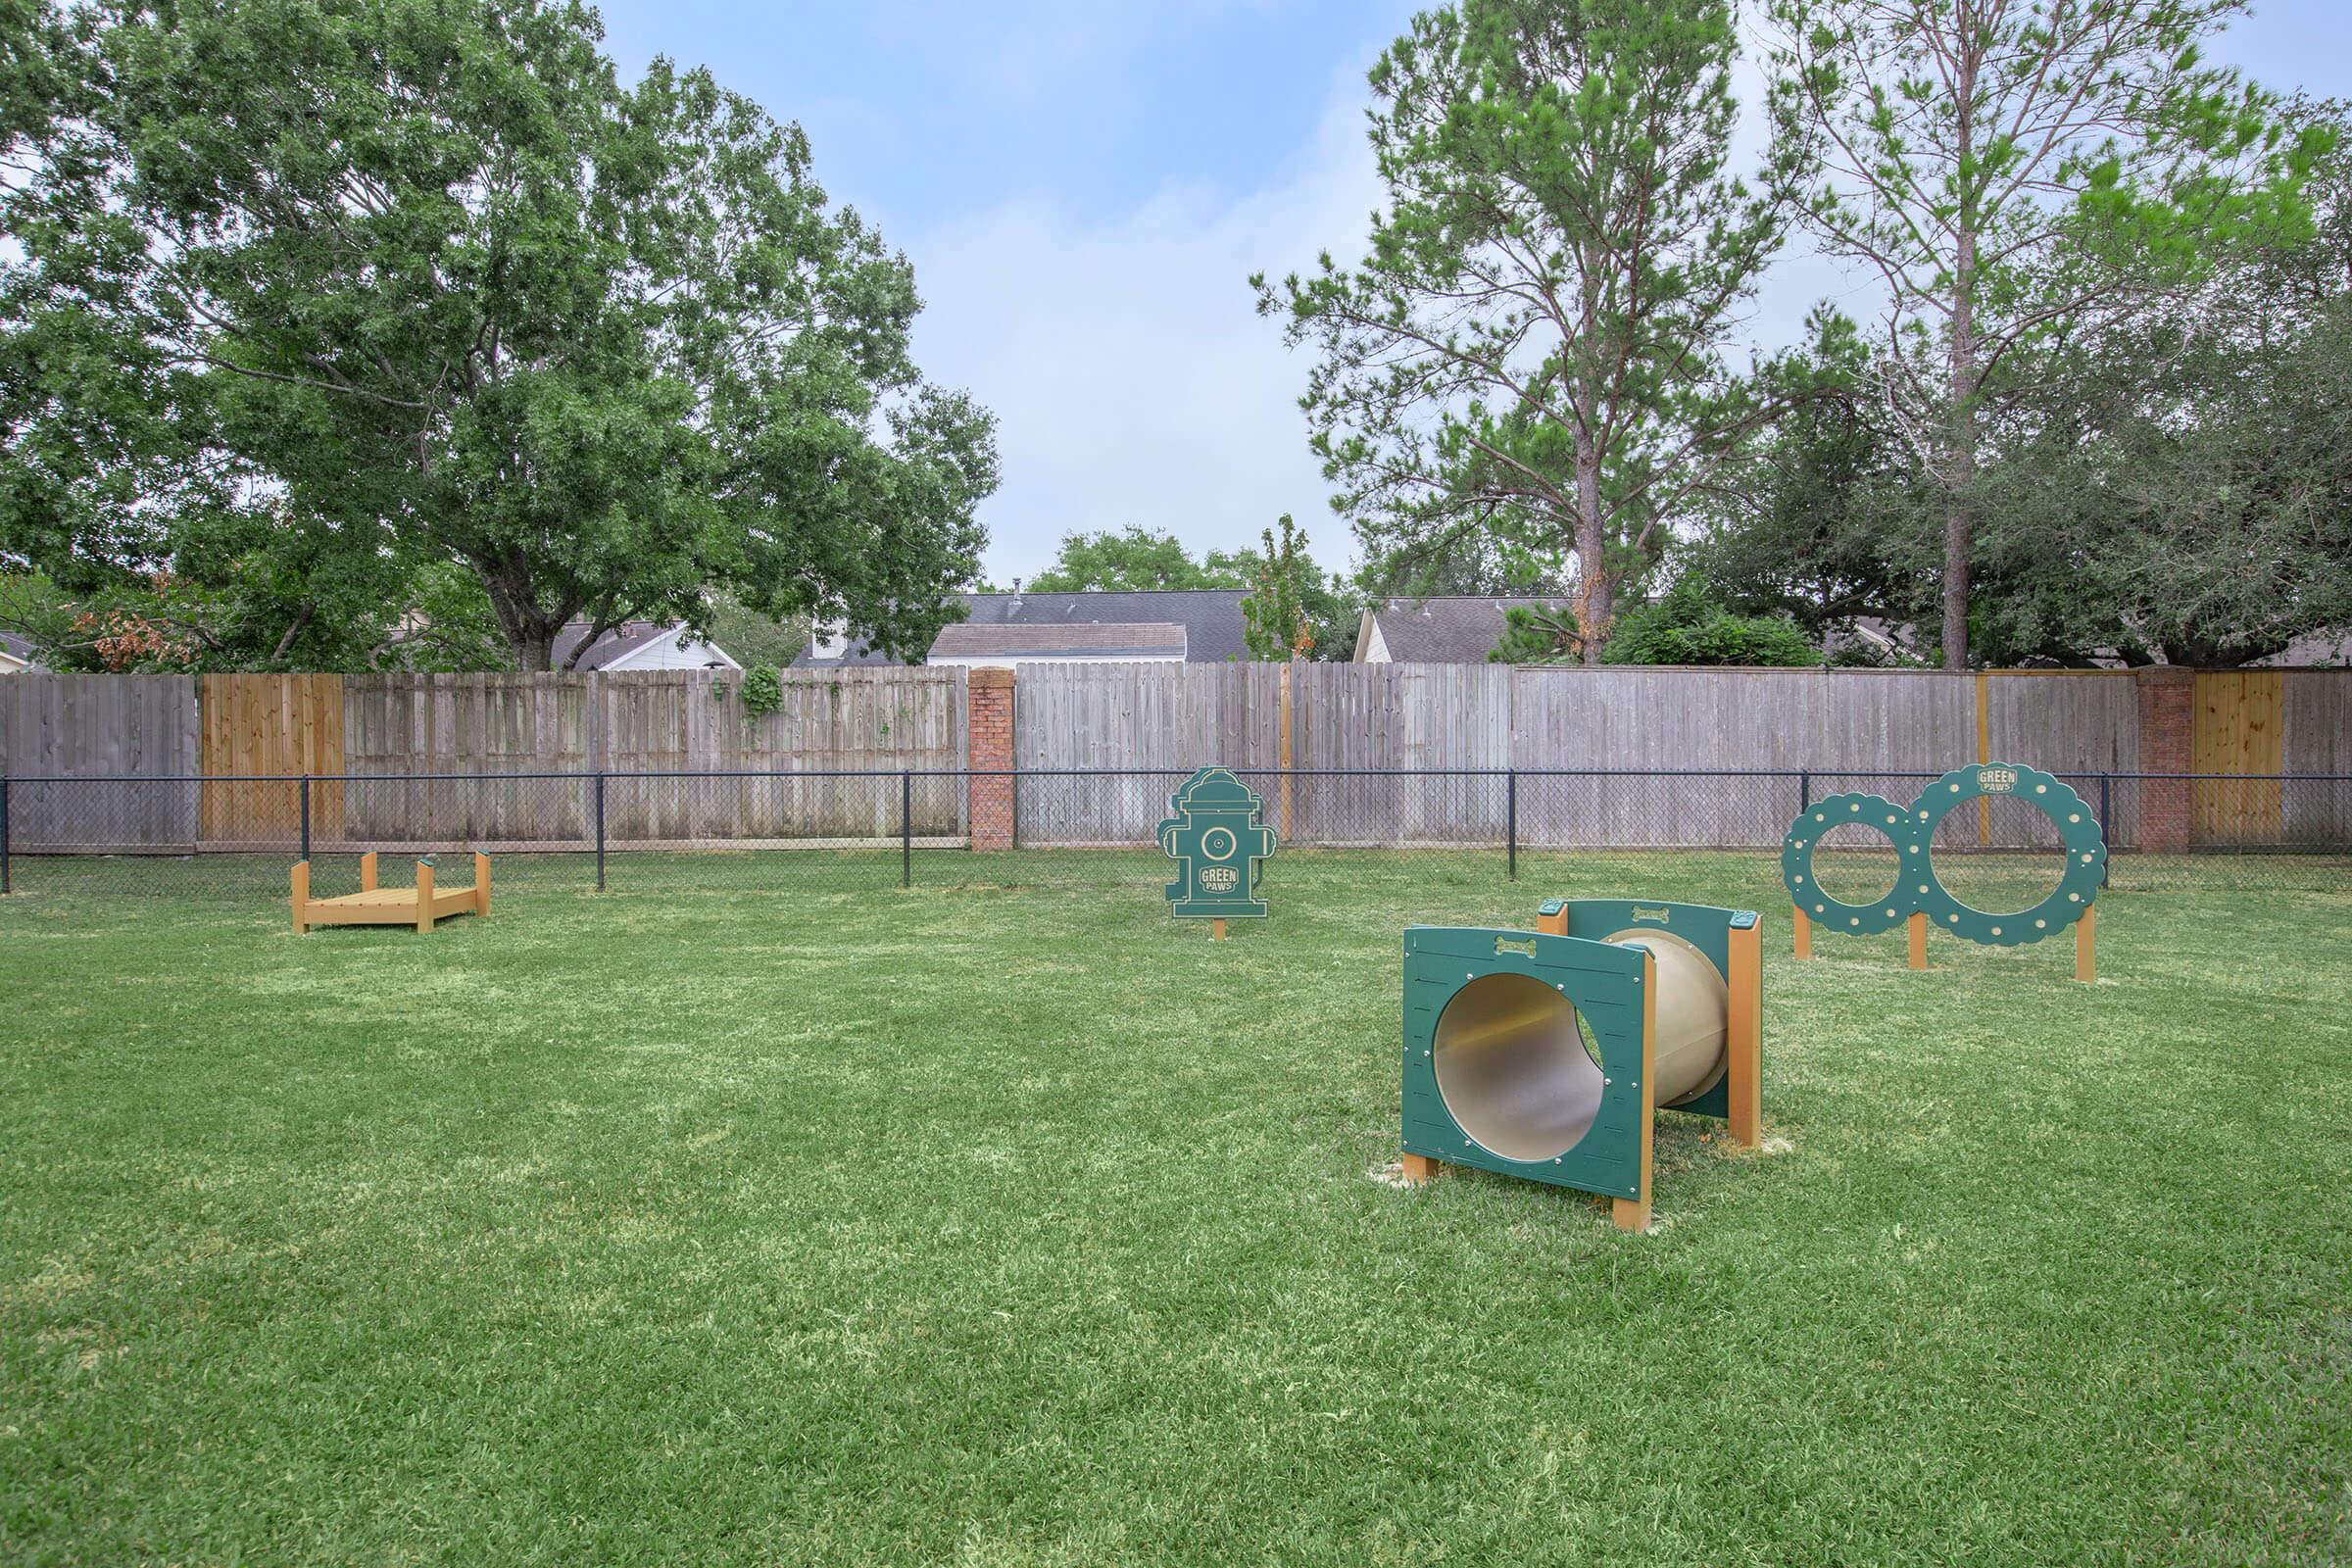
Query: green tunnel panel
[1600, 981]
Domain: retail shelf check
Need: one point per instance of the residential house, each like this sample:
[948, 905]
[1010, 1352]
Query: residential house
[636, 645]
[1172, 626]
[16, 654]
[1443, 629]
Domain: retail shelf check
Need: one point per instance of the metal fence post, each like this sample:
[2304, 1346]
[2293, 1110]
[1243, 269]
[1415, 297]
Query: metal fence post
[1510, 819]
[306, 817]
[600, 832]
[2106, 819]
[3, 836]
[906, 829]
[1804, 791]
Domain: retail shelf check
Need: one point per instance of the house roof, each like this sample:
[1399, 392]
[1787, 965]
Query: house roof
[17, 648]
[1449, 628]
[1215, 630]
[615, 644]
[1090, 639]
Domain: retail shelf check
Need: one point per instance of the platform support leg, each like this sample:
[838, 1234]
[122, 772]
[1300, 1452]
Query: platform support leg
[1918, 926]
[1216, 930]
[1801, 933]
[424, 897]
[1419, 1169]
[481, 883]
[1633, 1214]
[2087, 938]
[302, 896]
[1743, 1049]
[367, 872]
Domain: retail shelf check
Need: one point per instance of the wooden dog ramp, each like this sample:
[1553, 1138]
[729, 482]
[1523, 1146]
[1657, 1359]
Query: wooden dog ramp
[420, 906]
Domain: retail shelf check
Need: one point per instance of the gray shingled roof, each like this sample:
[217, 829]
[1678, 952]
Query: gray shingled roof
[19, 647]
[1092, 639]
[1211, 618]
[1449, 629]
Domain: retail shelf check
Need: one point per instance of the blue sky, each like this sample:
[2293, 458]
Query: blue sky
[1083, 188]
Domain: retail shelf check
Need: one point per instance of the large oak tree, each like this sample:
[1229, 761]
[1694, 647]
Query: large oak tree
[425, 276]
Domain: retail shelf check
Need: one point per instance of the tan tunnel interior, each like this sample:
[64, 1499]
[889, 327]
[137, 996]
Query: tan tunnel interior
[1513, 1065]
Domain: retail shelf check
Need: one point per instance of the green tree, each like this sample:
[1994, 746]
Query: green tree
[1688, 626]
[1829, 517]
[1281, 579]
[1131, 559]
[430, 275]
[1965, 140]
[2175, 484]
[1532, 347]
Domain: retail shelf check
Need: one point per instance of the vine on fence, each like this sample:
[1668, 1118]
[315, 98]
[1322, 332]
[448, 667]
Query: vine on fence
[762, 692]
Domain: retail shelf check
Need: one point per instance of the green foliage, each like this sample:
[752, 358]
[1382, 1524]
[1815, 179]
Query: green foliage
[270, 606]
[762, 692]
[2015, 173]
[1134, 559]
[429, 275]
[2176, 483]
[1686, 626]
[1829, 517]
[1533, 636]
[751, 637]
[1275, 614]
[1528, 357]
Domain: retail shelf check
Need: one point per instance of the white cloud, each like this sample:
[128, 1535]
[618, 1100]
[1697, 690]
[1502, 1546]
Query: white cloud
[1132, 378]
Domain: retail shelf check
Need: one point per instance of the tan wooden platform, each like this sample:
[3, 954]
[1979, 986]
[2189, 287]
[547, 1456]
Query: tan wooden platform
[420, 906]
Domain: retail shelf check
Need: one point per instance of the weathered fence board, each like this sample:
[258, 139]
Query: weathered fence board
[1455, 728]
[1159, 720]
[99, 726]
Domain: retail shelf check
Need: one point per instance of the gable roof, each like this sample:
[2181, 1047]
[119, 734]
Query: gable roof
[19, 648]
[1215, 630]
[1091, 639]
[614, 645]
[1450, 628]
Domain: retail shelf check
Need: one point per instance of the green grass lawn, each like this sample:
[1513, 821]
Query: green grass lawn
[976, 1226]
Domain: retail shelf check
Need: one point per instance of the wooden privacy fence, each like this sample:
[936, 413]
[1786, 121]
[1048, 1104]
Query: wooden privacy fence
[1379, 754]
[214, 758]
[1561, 728]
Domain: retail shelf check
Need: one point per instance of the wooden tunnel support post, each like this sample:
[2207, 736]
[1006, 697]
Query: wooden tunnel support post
[1801, 933]
[1419, 1168]
[1743, 1039]
[2086, 937]
[1918, 927]
[424, 895]
[1633, 1214]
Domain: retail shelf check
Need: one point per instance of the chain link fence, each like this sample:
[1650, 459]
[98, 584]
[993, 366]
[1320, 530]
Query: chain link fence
[234, 839]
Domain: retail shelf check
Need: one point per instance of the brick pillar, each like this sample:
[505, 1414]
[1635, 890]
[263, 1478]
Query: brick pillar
[2167, 713]
[989, 695]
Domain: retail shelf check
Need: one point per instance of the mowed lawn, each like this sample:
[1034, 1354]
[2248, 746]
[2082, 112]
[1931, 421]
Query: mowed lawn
[990, 1226]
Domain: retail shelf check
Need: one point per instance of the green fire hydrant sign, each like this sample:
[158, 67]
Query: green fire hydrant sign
[1217, 842]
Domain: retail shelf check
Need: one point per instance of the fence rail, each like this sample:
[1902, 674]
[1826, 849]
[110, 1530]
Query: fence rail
[854, 828]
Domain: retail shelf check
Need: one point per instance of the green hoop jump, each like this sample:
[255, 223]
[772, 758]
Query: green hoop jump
[2078, 828]
[1918, 890]
[1837, 810]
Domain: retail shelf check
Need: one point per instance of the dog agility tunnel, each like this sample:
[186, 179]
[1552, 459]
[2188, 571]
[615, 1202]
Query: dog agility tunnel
[1547, 1054]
